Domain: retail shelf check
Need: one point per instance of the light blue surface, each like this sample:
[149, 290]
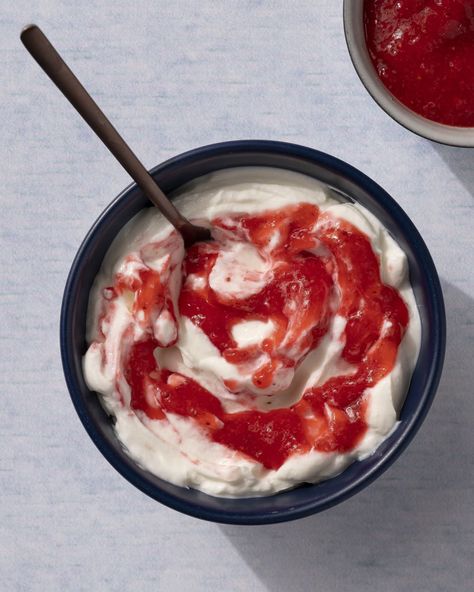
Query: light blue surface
[172, 76]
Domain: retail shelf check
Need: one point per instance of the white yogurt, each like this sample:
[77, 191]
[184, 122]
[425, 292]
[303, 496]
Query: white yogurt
[175, 449]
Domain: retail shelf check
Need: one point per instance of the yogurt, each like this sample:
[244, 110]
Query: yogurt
[274, 355]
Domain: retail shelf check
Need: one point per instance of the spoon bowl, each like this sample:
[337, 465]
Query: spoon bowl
[347, 181]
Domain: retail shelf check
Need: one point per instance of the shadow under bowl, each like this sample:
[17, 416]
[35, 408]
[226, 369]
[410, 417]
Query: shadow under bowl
[343, 178]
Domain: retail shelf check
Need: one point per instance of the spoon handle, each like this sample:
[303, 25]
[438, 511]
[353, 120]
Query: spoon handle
[54, 66]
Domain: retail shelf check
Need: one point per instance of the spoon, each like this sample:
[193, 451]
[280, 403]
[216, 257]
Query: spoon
[56, 68]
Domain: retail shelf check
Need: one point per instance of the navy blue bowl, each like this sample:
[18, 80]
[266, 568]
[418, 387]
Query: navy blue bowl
[307, 499]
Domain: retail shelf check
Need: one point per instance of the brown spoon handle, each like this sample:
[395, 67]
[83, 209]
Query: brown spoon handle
[54, 66]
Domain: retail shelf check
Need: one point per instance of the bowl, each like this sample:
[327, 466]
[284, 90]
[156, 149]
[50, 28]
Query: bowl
[343, 178]
[355, 37]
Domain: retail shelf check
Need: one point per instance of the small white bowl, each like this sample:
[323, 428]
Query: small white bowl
[355, 38]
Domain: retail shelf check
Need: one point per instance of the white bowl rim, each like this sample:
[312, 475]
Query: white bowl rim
[354, 32]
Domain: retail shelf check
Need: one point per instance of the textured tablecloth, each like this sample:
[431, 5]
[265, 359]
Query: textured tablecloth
[172, 76]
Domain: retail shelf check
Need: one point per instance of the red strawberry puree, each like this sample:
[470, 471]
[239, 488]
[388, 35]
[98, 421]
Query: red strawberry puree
[263, 358]
[297, 300]
[423, 51]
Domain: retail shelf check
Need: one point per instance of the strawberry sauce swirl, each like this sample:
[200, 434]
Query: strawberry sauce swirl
[311, 267]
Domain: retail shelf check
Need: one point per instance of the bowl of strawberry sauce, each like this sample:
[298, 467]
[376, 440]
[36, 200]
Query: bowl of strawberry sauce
[416, 59]
[250, 380]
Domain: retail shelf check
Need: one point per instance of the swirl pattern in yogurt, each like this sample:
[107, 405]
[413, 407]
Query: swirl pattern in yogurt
[274, 355]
